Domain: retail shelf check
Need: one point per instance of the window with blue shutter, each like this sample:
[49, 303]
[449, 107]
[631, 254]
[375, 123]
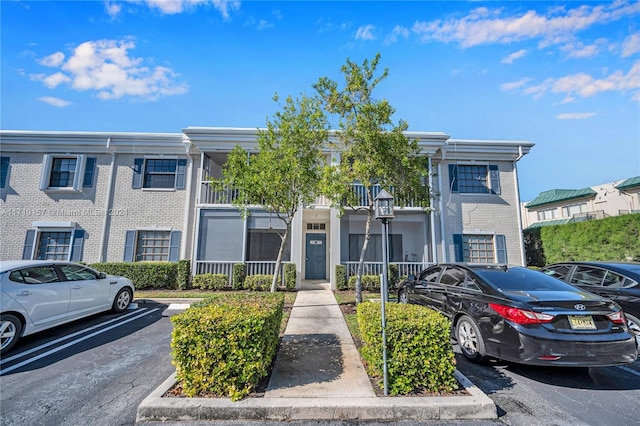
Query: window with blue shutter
[29, 240]
[458, 247]
[4, 171]
[174, 246]
[453, 177]
[89, 172]
[494, 178]
[78, 244]
[138, 164]
[501, 249]
[129, 246]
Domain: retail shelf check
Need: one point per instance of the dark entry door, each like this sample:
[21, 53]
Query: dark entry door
[315, 261]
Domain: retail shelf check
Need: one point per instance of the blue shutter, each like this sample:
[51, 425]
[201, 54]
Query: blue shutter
[138, 164]
[129, 246]
[89, 172]
[27, 250]
[494, 177]
[501, 248]
[453, 177]
[174, 246]
[458, 247]
[4, 170]
[180, 172]
[78, 244]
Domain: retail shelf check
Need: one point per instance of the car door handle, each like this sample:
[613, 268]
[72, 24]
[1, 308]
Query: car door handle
[24, 293]
[77, 287]
[113, 282]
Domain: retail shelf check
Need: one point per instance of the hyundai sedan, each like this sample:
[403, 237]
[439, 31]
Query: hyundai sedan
[39, 294]
[521, 315]
[618, 281]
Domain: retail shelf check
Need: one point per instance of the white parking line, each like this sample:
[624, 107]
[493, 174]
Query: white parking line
[53, 342]
[59, 348]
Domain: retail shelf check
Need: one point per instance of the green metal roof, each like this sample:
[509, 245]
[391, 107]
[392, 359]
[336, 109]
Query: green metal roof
[558, 195]
[629, 183]
[549, 222]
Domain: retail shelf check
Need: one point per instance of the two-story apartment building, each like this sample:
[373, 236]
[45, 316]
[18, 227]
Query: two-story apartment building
[559, 206]
[99, 196]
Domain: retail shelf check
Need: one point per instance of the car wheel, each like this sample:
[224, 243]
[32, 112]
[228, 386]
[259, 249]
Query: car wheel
[123, 298]
[634, 327]
[403, 296]
[10, 331]
[470, 340]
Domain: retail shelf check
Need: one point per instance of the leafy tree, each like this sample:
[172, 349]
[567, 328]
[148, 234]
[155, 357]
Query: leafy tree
[286, 171]
[374, 151]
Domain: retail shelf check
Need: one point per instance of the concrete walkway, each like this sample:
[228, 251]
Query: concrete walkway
[317, 376]
[317, 357]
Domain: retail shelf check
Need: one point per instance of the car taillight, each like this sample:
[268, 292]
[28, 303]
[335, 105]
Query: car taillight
[521, 316]
[617, 318]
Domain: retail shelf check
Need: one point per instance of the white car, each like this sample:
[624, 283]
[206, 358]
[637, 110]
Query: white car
[41, 294]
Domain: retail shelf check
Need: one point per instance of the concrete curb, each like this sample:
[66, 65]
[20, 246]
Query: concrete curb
[476, 406]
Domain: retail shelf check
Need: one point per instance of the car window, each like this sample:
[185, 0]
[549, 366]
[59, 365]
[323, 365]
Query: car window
[613, 280]
[557, 271]
[519, 279]
[77, 273]
[16, 276]
[430, 274]
[588, 275]
[452, 276]
[39, 275]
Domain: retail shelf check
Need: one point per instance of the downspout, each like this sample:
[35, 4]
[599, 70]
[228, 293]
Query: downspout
[432, 219]
[187, 208]
[108, 203]
[520, 230]
[441, 207]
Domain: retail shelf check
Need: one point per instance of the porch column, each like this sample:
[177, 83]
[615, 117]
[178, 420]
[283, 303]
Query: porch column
[334, 246]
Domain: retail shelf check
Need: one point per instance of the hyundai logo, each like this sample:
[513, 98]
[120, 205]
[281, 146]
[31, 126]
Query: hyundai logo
[580, 307]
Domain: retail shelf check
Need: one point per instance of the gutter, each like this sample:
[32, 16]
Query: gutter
[108, 204]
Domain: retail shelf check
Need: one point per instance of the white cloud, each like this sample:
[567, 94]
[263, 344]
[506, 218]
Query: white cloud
[398, 31]
[585, 86]
[365, 32]
[264, 24]
[515, 55]
[631, 45]
[56, 102]
[173, 7]
[576, 116]
[579, 50]
[105, 67]
[486, 26]
[113, 9]
[53, 60]
[514, 84]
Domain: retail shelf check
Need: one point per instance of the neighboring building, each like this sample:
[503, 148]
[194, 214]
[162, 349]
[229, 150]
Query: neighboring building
[559, 206]
[98, 196]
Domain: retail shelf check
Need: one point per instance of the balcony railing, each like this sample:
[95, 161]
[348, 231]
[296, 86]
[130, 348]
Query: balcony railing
[224, 267]
[375, 268]
[210, 195]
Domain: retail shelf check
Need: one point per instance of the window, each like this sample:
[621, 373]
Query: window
[374, 249]
[431, 275]
[54, 241]
[159, 173]
[474, 179]
[569, 211]
[547, 214]
[67, 172]
[452, 276]
[54, 246]
[316, 226]
[558, 271]
[78, 273]
[4, 171]
[480, 248]
[35, 275]
[152, 246]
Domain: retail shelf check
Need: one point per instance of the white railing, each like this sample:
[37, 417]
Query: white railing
[375, 268]
[209, 195]
[251, 268]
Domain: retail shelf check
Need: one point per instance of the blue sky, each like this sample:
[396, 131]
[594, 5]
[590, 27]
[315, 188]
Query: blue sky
[564, 75]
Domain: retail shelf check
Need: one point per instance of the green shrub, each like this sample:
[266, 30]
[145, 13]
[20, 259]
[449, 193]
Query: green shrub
[341, 277]
[419, 351]
[225, 344]
[237, 280]
[394, 275]
[369, 283]
[290, 276]
[211, 281]
[258, 282]
[183, 275]
[143, 274]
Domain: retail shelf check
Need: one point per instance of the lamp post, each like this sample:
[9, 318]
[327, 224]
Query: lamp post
[383, 205]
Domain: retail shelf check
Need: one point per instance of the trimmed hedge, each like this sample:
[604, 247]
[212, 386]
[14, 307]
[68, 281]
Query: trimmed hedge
[419, 351]
[290, 276]
[369, 283]
[259, 282]
[225, 344]
[143, 274]
[341, 277]
[183, 278]
[211, 281]
[237, 280]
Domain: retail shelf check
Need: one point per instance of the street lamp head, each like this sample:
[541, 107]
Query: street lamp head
[383, 206]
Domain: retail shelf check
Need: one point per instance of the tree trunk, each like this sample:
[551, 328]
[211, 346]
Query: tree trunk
[274, 282]
[367, 233]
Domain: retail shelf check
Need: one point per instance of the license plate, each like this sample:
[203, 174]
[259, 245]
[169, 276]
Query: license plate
[582, 322]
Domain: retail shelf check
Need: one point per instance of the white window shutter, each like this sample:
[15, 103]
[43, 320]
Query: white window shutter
[78, 176]
[46, 172]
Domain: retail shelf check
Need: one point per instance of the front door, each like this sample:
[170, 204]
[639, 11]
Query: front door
[315, 261]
